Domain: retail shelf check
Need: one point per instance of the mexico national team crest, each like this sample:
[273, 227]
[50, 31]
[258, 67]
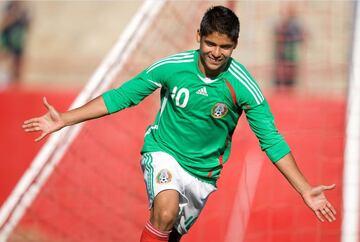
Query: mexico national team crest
[164, 176]
[219, 110]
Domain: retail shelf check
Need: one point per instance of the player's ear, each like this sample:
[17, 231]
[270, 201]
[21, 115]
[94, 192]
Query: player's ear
[198, 36]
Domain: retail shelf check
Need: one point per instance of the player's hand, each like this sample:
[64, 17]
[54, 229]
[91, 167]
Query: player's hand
[46, 124]
[316, 200]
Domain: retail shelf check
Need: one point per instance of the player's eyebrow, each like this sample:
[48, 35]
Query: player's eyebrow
[226, 46]
[209, 42]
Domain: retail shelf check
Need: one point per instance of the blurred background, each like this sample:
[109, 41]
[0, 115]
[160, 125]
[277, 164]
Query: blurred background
[298, 51]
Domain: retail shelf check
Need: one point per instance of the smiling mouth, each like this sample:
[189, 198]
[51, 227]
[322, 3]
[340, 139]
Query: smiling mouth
[214, 61]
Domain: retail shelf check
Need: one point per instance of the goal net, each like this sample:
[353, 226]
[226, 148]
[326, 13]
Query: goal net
[86, 183]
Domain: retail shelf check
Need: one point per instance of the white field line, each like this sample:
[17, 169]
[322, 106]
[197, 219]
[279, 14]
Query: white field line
[244, 196]
[49, 156]
[351, 212]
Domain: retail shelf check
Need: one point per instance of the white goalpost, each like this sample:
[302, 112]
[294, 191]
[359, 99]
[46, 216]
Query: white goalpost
[351, 181]
[47, 159]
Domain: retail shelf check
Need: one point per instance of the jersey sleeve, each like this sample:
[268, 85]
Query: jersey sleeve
[257, 110]
[262, 123]
[133, 91]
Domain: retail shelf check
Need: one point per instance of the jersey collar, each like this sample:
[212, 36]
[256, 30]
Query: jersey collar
[207, 80]
[201, 75]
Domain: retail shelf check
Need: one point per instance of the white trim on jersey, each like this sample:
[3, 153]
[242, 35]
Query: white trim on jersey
[156, 83]
[207, 80]
[148, 131]
[177, 58]
[165, 99]
[247, 82]
[174, 57]
[247, 87]
[182, 54]
[167, 62]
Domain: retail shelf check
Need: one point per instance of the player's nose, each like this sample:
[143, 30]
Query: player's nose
[216, 52]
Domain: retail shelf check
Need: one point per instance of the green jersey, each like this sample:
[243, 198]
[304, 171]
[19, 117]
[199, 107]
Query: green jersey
[198, 115]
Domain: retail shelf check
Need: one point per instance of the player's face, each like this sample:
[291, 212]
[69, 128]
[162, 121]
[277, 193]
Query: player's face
[215, 51]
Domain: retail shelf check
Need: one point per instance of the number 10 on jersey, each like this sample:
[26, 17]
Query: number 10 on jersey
[181, 96]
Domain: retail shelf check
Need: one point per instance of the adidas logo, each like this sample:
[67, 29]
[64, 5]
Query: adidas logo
[202, 91]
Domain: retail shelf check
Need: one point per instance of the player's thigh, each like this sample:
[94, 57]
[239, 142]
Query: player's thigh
[165, 206]
[161, 175]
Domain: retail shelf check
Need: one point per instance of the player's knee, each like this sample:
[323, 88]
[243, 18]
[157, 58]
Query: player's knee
[168, 216]
[165, 218]
[165, 209]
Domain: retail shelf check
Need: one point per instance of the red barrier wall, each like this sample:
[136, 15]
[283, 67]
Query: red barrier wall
[17, 148]
[257, 199]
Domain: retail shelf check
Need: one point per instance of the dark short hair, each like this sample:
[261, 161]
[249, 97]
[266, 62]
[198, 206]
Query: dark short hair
[220, 19]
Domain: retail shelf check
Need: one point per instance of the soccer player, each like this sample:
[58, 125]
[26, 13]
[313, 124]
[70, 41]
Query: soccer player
[203, 94]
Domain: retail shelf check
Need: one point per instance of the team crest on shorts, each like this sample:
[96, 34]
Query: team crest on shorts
[164, 176]
[219, 110]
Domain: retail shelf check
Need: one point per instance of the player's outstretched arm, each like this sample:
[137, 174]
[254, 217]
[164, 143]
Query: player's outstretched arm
[53, 120]
[314, 197]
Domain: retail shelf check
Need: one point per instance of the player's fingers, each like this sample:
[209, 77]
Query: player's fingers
[326, 215]
[331, 208]
[30, 125]
[32, 120]
[323, 212]
[33, 129]
[40, 137]
[47, 105]
[330, 187]
[319, 216]
[329, 214]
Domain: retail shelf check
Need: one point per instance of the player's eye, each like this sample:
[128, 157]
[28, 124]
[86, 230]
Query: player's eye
[226, 47]
[211, 44]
